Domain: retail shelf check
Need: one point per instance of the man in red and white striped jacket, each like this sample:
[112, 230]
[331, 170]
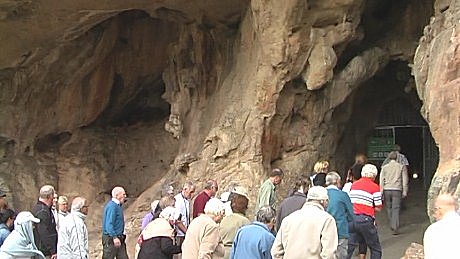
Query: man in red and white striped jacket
[367, 199]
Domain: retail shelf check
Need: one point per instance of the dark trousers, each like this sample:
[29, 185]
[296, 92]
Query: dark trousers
[363, 230]
[109, 251]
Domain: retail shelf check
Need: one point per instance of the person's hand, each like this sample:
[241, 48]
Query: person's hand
[54, 256]
[404, 195]
[116, 242]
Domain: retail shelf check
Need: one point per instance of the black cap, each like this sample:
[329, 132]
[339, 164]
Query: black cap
[2, 194]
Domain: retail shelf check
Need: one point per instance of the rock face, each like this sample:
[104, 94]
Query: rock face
[437, 74]
[143, 93]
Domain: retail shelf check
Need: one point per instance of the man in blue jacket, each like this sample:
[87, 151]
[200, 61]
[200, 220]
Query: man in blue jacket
[341, 209]
[113, 227]
[255, 240]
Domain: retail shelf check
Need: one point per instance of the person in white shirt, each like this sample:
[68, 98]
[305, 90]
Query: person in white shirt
[183, 208]
[441, 238]
[73, 234]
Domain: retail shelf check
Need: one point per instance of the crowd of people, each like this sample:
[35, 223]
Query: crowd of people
[320, 218]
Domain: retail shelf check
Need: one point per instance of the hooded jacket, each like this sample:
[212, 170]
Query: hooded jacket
[158, 241]
[20, 243]
[73, 237]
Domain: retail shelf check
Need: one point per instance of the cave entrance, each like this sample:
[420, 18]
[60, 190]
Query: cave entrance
[399, 123]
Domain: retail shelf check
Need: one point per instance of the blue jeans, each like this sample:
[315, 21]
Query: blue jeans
[363, 230]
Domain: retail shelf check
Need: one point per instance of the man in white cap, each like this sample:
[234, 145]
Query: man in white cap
[366, 198]
[309, 232]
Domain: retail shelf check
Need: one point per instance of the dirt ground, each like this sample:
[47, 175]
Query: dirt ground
[413, 223]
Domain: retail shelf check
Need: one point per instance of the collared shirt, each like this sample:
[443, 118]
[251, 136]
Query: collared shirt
[365, 196]
[266, 195]
[341, 209]
[183, 208]
[441, 238]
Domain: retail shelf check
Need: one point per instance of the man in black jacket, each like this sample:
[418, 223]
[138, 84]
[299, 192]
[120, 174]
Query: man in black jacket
[45, 233]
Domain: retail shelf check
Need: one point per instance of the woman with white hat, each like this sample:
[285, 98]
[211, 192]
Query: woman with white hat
[20, 243]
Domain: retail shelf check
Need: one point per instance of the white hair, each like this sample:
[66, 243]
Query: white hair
[369, 171]
[168, 213]
[214, 207]
[116, 191]
[78, 203]
[332, 178]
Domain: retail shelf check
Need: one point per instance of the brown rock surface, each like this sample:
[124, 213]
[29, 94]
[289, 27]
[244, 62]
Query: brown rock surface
[142, 93]
[437, 74]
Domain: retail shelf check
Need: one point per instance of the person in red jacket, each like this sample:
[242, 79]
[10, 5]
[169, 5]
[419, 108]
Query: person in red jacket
[210, 190]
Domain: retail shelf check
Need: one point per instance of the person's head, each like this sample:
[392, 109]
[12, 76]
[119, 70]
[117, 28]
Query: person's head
[276, 176]
[215, 209]
[7, 217]
[188, 190]
[397, 148]
[360, 159]
[302, 184]
[119, 194]
[166, 201]
[333, 178]
[63, 203]
[393, 155]
[47, 195]
[168, 190]
[2, 200]
[266, 215]
[444, 204]
[356, 171]
[169, 213]
[318, 194]
[369, 171]
[321, 167]
[211, 188]
[80, 204]
[240, 200]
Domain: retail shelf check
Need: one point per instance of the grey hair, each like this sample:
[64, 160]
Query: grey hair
[47, 191]
[116, 190]
[393, 155]
[332, 178]
[188, 185]
[265, 214]
[167, 201]
[209, 184]
[78, 203]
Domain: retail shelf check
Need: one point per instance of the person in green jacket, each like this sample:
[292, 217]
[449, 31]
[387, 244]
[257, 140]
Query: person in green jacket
[267, 190]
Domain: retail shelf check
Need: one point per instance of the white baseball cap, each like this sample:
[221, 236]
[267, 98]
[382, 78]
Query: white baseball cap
[317, 193]
[241, 191]
[25, 216]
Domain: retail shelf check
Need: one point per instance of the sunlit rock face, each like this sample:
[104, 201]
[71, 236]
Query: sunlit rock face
[437, 74]
[147, 93]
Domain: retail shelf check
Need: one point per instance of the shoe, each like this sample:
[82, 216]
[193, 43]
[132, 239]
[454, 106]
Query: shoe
[394, 232]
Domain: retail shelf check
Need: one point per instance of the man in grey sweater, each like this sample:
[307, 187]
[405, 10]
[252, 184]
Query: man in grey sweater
[394, 184]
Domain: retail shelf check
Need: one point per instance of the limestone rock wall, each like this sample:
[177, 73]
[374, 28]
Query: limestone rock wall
[437, 74]
[143, 93]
